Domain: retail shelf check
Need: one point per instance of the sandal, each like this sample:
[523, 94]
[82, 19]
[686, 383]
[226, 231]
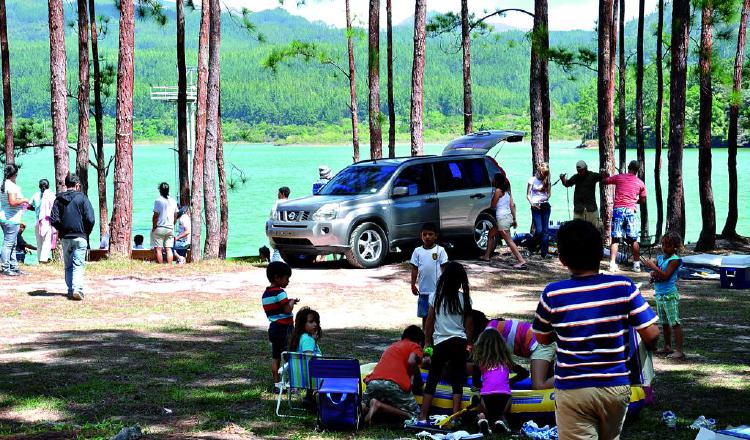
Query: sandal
[677, 357]
[664, 351]
[520, 266]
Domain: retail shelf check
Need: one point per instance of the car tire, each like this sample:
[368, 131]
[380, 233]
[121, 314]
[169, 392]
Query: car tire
[368, 246]
[482, 227]
[297, 260]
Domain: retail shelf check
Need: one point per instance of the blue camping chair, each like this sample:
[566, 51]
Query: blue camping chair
[295, 377]
[339, 392]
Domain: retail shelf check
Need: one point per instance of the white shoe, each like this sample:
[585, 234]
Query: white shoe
[613, 267]
[637, 266]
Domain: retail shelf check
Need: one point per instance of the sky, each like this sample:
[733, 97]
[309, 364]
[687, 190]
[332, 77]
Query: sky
[563, 14]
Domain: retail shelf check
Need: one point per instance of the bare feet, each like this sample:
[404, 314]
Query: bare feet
[374, 404]
[664, 351]
[520, 266]
[677, 356]
[483, 258]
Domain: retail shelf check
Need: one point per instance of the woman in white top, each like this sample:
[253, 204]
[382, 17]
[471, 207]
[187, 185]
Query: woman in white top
[505, 215]
[42, 203]
[12, 206]
[538, 193]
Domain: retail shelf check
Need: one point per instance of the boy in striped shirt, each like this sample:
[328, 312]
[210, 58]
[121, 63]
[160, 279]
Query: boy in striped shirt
[278, 308]
[590, 317]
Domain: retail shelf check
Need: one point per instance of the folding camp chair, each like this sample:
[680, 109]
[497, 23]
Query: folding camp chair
[339, 392]
[295, 377]
[647, 243]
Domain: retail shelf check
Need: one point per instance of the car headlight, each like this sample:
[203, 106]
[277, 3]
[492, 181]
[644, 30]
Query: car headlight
[326, 212]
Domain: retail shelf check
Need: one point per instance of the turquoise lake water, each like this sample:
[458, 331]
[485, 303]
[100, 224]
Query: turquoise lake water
[268, 167]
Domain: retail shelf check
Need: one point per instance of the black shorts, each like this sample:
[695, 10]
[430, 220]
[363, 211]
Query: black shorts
[494, 406]
[279, 334]
[450, 354]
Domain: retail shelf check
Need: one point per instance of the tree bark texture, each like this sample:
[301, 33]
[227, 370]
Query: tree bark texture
[622, 123]
[417, 79]
[539, 86]
[211, 247]
[677, 85]
[183, 155]
[82, 151]
[730, 226]
[122, 200]
[707, 238]
[658, 129]
[639, 136]
[223, 200]
[373, 80]
[196, 200]
[352, 85]
[59, 91]
[391, 104]
[466, 65]
[605, 105]
[101, 165]
[7, 101]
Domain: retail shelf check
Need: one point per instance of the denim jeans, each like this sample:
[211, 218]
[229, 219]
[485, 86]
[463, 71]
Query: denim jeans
[8, 254]
[540, 217]
[74, 257]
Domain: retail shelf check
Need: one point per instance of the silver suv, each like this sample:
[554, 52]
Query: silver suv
[374, 207]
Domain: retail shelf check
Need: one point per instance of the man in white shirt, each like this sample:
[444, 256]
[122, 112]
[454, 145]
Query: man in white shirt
[162, 224]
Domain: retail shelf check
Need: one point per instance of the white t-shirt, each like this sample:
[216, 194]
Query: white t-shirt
[183, 224]
[447, 325]
[538, 195]
[166, 208]
[428, 263]
[503, 206]
[10, 214]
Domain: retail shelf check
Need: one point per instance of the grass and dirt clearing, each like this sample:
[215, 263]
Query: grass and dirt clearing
[183, 351]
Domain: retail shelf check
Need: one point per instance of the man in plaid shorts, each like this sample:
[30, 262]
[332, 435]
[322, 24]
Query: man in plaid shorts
[629, 192]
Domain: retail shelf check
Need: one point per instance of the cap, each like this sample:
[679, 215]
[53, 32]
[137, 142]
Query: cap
[581, 164]
[324, 172]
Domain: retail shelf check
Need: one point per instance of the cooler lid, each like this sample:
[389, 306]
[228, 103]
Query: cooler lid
[736, 261]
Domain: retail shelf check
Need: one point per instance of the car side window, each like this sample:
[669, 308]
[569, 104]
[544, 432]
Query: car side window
[417, 179]
[461, 174]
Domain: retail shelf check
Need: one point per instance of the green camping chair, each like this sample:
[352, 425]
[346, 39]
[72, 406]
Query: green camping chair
[295, 378]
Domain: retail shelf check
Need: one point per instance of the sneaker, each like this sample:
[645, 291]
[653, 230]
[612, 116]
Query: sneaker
[19, 272]
[484, 427]
[637, 266]
[502, 426]
[76, 296]
[613, 267]
[10, 273]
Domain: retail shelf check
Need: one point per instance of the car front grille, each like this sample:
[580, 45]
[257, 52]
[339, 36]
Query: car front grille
[294, 216]
[292, 241]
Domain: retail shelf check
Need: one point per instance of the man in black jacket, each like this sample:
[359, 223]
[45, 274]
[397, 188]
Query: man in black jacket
[73, 217]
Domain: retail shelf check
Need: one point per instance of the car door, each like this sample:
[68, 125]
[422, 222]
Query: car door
[418, 206]
[463, 192]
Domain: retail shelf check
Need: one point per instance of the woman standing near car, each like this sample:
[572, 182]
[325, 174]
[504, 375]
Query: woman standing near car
[538, 192]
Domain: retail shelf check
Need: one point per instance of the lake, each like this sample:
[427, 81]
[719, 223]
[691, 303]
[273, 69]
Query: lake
[267, 167]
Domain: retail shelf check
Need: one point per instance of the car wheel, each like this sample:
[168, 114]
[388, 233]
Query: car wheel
[297, 260]
[482, 227]
[368, 246]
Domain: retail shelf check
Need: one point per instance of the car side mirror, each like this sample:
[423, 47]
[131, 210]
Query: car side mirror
[400, 191]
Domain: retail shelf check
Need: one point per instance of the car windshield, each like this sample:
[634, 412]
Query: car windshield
[360, 179]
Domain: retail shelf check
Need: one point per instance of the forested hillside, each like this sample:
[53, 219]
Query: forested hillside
[308, 101]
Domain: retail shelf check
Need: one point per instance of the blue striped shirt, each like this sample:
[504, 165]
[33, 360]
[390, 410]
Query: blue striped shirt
[592, 317]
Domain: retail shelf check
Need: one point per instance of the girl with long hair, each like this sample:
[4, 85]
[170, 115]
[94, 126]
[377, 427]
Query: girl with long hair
[505, 216]
[449, 328]
[307, 332]
[12, 206]
[538, 192]
[46, 235]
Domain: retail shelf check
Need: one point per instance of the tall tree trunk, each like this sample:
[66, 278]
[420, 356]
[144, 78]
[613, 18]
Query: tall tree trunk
[417, 79]
[659, 132]
[391, 105]
[211, 247]
[122, 200]
[101, 165]
[605, 103]
[466, 49]
[59, 90]
[82, 153]
[352, 85]
[707, 239]
[373, 80]
[183, 155]
[196, 201]
[621, 117]
[539, 86]
[730, 226]
[7, 107]
[223, 200]
[677, 84]
[639, 136]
